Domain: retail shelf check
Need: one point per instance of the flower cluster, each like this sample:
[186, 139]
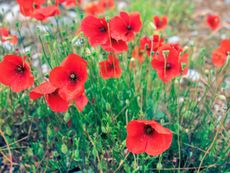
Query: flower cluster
[221, 54]
[65, 85]
[112, 36]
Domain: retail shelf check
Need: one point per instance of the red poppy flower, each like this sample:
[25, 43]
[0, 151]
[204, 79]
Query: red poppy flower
[4, 32]
[115, 46]
[43, 13]
[5, 36]
[125, 26]
[15, 72]
[213, 21]
[81, 102]
[138, 54]
[107, 4]
[52, 96]
[168, 63]
[110, 68]
[96, 29]
[69, 3]
[160, 24]
[27, 6]
[147, 136]
[70, 76]
[151, 45]
[93, 8]
[220, 55]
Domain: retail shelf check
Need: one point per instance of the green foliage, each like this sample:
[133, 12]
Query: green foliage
[42, 141]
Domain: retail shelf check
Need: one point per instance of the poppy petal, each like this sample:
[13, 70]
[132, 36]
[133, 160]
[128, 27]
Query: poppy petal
[158, 143]
[136, 144]
[81, 102]
[42, 89]
[56, 103]
[58, 77]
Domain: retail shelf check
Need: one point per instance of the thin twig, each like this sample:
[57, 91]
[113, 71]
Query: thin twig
[213, 141]
[91, 141]
[121, 163]
[10, 154]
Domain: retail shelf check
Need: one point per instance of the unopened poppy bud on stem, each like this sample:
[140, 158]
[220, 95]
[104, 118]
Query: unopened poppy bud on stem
[183, 65]
[107, 19]
[165, 52]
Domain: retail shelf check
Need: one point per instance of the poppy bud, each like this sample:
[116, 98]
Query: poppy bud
[47, 37]
[159, 166]
[18, 24]
[165, 52]
[162, 121]
[108, 107]
[183, 65]
[107, 19]
[28, 53]
[67, 117]
[87, 52]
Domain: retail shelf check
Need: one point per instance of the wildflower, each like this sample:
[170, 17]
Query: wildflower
[96, 29]
[15, 72]
[213, 21]
[98, 7]
[125, 26]
[7, 37]
[151, 45]
[28, 6]
[69, 3]
[70, 76]
[110, 68]
[138, 54]
[147, 136]
[220, 55]
[160, 23]
[169, 63]
[43, 13]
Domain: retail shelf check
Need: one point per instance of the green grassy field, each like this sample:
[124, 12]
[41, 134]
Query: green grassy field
[33, 138]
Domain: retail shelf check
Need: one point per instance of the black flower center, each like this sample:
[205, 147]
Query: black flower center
[148, 130]
[111, 66]
[55, 93]
[36, 6]
[102, 29]
[168, 66]
[147, 47]
[159, 24]
[20, 69]
[129, 27]
[73, 77]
